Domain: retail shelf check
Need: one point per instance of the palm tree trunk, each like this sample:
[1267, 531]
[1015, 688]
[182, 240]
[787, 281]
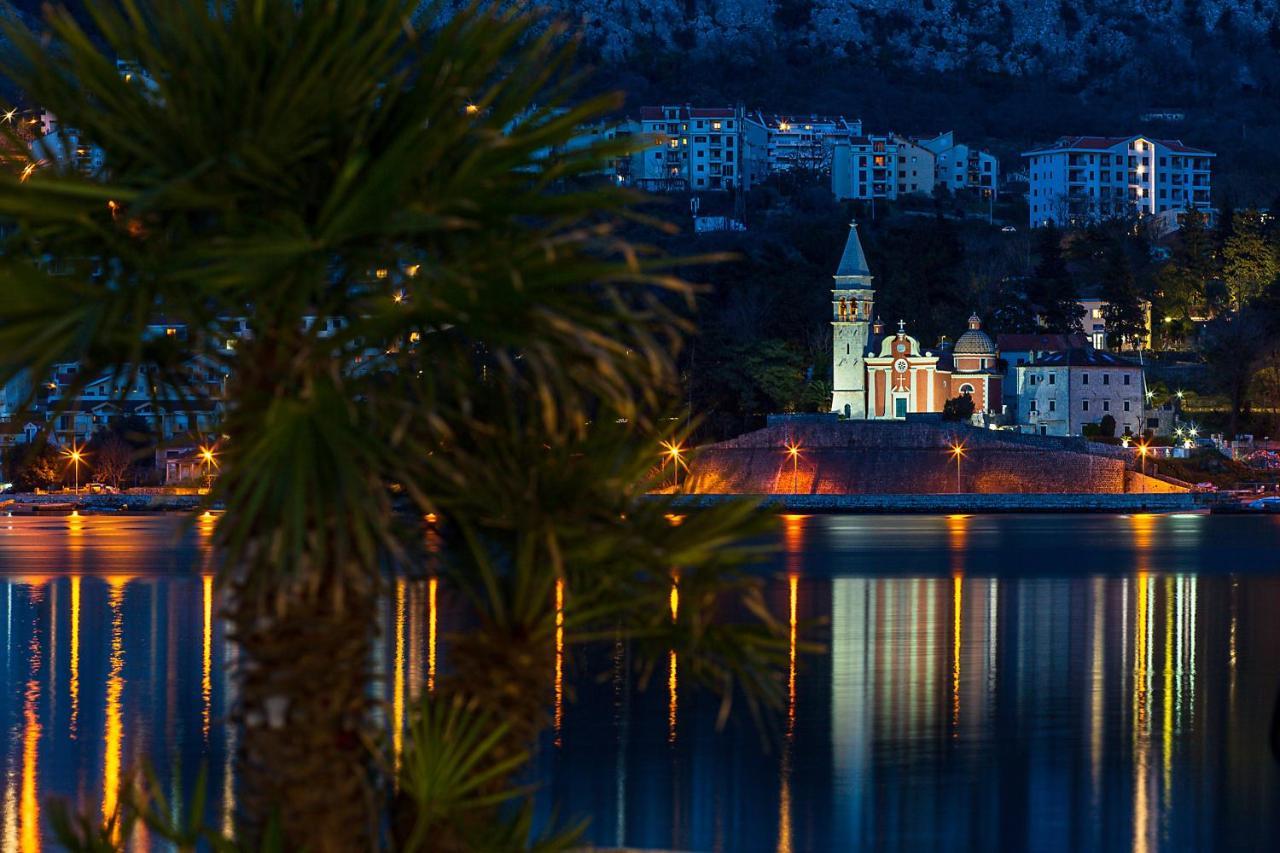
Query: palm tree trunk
[304, 705]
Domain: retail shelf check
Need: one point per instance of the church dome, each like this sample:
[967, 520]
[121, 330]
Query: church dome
[975, 341]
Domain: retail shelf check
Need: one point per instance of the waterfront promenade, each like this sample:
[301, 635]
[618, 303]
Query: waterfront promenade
[967, 503]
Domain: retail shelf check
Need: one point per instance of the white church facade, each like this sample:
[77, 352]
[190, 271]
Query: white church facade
[887, 377]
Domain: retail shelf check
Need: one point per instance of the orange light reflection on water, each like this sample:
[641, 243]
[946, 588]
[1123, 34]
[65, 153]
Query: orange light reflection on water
[74, 685]
[559, 678]
[114, 733]
[432, 585]
[397, 690]
[29, 802]
[206, 658]
[673, 691]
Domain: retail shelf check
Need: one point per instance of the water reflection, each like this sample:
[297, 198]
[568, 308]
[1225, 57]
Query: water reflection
[1022, 682]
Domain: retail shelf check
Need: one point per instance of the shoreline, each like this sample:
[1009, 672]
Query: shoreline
[964, 503]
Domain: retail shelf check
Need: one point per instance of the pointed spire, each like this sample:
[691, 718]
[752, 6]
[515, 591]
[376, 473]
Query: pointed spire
[853, 272]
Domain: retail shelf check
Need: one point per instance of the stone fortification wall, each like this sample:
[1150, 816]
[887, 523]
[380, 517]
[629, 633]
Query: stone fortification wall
[870, 457]
[967, 503]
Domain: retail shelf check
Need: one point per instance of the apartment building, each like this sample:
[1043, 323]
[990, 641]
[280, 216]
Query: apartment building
[889, 166]
[1093, 319]
[1081, 179]
[785, 143]
[880, 166]
[958, 166]
[691, 148]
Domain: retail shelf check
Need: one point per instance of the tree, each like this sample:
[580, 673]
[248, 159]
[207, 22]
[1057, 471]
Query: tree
[1249, 263]
[1107, 426]
[111, 457]
[34, 466]
[1124, 315]
[959, 408]
[1051, 288]
[1234, 347]
[500, 358]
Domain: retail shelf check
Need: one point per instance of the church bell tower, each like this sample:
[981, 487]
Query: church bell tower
[851, 303]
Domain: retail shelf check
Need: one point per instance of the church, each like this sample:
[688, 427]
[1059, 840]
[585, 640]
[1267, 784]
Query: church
[886, 377]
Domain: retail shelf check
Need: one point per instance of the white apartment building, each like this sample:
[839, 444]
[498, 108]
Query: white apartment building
[1058, 393]
[692, 148]
[880, 166]
[958, 166]
[1080, 179]
[1093, 319]
[783, 143]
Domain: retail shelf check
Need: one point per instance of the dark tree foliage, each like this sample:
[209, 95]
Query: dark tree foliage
[917, 262]
[1126, 320]
[34, 466]
[958, 408]
[1051, 288]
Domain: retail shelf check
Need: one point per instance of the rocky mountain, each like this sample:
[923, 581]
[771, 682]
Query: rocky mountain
[1066, 39]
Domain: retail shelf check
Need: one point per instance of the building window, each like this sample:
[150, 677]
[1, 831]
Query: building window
[1126, 405]
[1084, 405]
[1084, 379]
[1051, 378]
[1106, 379]
[1053, 405]
[1126, 379]
[1106, 405]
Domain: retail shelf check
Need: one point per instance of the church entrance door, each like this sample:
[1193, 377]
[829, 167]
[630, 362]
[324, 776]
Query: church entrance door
[900, 407]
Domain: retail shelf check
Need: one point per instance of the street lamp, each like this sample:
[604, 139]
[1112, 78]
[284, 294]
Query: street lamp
[957, 453]
[76, 455]
[1142, 454]
[210, 460]
[672, 450]
[793, 450]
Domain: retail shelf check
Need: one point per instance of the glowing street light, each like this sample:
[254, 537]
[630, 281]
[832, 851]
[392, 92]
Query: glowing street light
[673, 451]
[957, 453]
[793, 450]
[76, 455]
[1143, 450]
[210, 459]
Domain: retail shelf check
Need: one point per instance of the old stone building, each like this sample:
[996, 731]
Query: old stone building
[1059, 393]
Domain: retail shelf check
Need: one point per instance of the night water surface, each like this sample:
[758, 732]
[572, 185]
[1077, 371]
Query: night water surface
[1030, 682]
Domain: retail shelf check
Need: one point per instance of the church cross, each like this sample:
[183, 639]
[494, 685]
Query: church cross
[902, 327]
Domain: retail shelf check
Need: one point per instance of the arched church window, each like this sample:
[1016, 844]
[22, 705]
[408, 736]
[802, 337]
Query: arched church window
[966, 388]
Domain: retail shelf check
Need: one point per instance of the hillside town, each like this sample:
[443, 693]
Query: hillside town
[640, 425]
[1072, 364]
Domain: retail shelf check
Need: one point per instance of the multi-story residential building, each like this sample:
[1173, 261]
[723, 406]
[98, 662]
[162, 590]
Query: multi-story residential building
[1093, 319]
[958, 166]
[785, 143]
[1058, 393]
[692, 148]
[881, 166]
[889, 166]
[1080, 179]
[915, 168]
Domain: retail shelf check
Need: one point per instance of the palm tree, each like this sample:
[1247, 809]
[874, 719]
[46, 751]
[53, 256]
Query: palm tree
[423, 302]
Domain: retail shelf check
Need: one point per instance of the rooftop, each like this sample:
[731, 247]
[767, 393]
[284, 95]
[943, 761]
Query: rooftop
[1085, 357]
[1105, 143]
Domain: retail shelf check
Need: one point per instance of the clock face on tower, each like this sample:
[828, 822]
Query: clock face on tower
[900, 366]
